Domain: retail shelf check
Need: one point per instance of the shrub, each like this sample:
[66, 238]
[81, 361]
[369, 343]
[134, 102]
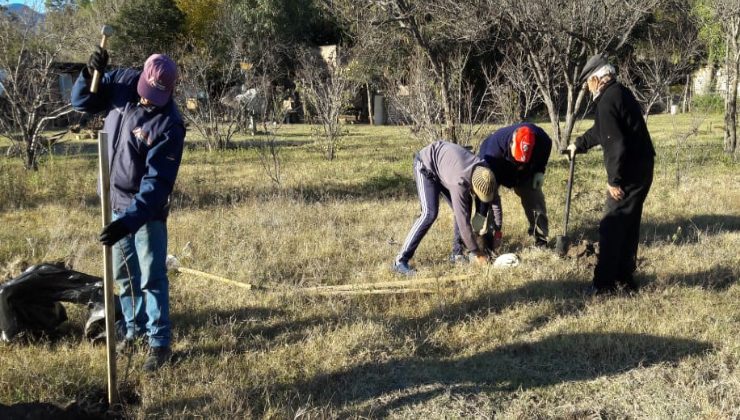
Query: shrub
[710, 103]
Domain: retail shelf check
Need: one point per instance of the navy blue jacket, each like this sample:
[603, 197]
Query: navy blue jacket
[496, 151]
[145, 145]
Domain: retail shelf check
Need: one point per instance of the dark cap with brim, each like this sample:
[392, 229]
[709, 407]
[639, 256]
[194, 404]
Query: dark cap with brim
[157, 80]
[594, 63]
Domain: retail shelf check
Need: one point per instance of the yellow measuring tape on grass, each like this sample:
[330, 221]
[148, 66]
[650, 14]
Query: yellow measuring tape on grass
[378, 288]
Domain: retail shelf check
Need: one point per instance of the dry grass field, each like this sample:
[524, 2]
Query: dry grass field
[519, 343]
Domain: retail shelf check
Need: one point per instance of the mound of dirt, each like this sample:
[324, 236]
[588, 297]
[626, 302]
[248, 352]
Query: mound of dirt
[585, 251]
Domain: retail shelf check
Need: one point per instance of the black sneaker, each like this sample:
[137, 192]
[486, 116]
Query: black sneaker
[158, 356]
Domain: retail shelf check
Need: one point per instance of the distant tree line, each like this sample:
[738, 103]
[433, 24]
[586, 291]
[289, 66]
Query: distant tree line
[446, 65]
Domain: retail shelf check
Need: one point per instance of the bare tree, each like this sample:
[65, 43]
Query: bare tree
[515, 70]
[209, 86]
[439, 30]
[667, 53]
[327, 88]
[727, 13]
[473, 104]
[80, 27]
[414, 96]
[30, 97]
[682, 140]
[269, 150]
[557, 36]
[512, 87]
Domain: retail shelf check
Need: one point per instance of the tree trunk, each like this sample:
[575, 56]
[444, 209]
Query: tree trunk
[554, 117]
[31, 157]
[370, 113]
[685, 102]
[712, 82]
[730, 140]
[570, 116]
[449, 132]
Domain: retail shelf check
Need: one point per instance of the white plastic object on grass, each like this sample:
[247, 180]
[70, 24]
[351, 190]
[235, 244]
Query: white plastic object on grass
[506, 261]
[172, 263]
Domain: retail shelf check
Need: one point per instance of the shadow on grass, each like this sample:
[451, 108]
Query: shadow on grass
[40, 410]
[553, 360]
[717, 278]
[256, 330]
[89, 403]
[188, 322]
[406, 381]
[564, 295]
[653, 232]
[88, 149]
[389, 185]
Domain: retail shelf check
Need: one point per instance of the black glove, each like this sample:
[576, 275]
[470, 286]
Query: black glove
[113, 233]
[98, 61]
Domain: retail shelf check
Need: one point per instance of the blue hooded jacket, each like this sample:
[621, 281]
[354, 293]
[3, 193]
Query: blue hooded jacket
[496, 151]
[145, 145]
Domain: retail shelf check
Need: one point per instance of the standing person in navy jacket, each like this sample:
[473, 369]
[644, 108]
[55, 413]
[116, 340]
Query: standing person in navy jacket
[146, 137]
[518, 156]
[620, 129]
[449, 170]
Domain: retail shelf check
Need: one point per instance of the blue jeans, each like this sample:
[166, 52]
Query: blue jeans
[141, 275]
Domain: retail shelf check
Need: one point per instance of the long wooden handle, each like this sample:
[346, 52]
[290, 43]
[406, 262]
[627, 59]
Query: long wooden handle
[110, 312]
[96, 74]
[569, 188]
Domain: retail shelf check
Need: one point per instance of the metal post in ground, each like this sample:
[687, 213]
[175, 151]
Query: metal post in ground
[110, 313]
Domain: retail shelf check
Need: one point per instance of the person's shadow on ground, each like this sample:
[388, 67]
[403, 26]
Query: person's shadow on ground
[555, 359]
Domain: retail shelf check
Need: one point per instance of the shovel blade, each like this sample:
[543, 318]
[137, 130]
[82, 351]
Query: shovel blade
[561, 245]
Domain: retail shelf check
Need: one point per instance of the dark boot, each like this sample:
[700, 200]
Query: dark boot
[629, 284]
[158, 356]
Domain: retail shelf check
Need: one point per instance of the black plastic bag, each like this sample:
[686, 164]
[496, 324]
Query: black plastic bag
[32, 301]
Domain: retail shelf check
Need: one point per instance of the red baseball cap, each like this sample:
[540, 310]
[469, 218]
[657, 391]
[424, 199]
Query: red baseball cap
[157, 80]
[523, 144]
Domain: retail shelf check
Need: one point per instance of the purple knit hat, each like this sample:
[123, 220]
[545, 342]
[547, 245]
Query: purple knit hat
[157, 80]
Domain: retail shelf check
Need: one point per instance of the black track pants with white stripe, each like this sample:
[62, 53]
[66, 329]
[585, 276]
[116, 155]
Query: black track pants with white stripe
[429, 191]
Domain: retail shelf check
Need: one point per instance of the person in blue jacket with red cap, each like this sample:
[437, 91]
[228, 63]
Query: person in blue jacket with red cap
[146, 138]
[518, 156]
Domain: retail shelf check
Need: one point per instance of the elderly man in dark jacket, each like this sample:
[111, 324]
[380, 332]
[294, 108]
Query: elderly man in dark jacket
[620, 129]
[146, 134]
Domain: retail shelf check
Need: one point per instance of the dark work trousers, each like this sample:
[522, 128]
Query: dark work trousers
[533, 203]
[619, 233]
[429, 190]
